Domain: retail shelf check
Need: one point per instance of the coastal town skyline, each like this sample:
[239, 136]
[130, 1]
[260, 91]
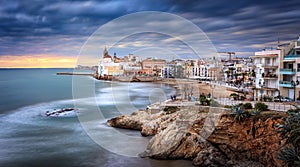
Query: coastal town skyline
[50, 34]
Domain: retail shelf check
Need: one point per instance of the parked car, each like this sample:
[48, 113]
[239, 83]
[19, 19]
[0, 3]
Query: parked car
[282, 99]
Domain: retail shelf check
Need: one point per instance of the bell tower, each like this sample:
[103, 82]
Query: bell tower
[105, 52]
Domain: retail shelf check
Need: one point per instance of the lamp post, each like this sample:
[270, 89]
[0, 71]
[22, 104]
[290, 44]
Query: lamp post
[212, 90]
[294, 84]
[261, 84]
[279, 95]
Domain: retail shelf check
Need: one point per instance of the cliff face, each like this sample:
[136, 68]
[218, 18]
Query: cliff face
[180, 136]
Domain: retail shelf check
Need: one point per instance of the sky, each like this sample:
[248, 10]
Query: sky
[58, 33]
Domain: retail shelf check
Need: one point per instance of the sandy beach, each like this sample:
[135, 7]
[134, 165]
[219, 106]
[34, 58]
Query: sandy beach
[198, 88]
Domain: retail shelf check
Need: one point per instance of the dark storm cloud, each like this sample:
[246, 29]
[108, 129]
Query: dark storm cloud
[52, 26]
[25, 18]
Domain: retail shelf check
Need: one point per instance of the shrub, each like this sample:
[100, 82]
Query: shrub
[268, 98]
[289, 155]
[247, 106]
[255, 113]
[239, 114]
[202, 99]
[242, 97]
[171, 109]
[290, 130]
[214, 103]
[227, 106]
[261, 106]
[234, 96]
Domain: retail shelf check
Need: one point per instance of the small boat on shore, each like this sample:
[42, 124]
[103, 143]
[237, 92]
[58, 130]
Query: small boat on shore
[64, 112]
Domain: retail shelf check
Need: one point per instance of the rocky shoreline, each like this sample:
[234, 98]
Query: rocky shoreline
[206, 135]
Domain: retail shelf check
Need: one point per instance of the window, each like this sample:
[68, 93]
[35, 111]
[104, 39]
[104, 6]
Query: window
[298, 67]
[267, 61]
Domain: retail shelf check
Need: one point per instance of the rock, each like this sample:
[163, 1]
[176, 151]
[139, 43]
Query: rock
[134, 121]
[210, 156]
[243, 141]
[164, 143]
[231, 143]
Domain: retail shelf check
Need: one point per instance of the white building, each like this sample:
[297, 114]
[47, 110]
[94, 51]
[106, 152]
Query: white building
[107, 66]
[266, 66]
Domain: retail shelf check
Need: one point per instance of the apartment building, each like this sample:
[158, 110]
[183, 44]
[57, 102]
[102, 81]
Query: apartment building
[153, 66]
[290, 70]
[266, 67]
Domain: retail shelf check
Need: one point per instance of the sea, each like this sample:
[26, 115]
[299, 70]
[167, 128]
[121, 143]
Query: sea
[30, 138]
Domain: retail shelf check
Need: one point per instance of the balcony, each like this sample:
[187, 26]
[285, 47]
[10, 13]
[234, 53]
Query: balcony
[269, 76]
[288, 71]
[273, 66]
[287, 84]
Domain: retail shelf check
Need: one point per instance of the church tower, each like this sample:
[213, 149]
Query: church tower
[105, 53]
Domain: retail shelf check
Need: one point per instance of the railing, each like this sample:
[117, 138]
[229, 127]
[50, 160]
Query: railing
[287, 70]
[270, 64]
[291, 56]
[285, 82]
[269, 76]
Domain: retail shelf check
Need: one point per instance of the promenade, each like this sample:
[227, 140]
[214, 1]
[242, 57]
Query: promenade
[276, 106]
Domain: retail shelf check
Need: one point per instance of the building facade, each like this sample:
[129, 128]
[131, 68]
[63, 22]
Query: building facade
[290, 70]
[153, 66]
[108, 66]
[266, 67]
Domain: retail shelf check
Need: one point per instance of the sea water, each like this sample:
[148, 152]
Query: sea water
[29, 138]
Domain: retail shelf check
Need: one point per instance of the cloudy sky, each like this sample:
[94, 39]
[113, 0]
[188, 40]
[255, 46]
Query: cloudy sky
[42, 33]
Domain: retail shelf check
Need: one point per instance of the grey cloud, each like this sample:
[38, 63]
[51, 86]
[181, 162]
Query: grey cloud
[38, 26]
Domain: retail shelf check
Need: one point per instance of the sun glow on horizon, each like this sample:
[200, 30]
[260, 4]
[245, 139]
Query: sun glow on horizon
[38, 61]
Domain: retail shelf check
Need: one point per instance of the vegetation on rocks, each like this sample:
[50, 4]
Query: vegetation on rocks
[247, 106]
[204, 100]
[234, 96]
[290, 131]
[240, 136]
[171, 109]
[239, 113]
[261, 106]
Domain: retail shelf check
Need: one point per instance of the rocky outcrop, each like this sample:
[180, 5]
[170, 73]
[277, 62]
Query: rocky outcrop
[248, 140]
[195, 136]
[149, 124]
[134, 121]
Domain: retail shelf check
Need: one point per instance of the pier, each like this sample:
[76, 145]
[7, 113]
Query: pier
[71, 73]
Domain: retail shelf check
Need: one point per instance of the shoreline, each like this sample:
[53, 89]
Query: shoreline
[199, 87]
[176, 135]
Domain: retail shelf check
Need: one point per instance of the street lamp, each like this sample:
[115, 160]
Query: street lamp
[279, 95]
[261, 84]
[212, 90]
[294, 84]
